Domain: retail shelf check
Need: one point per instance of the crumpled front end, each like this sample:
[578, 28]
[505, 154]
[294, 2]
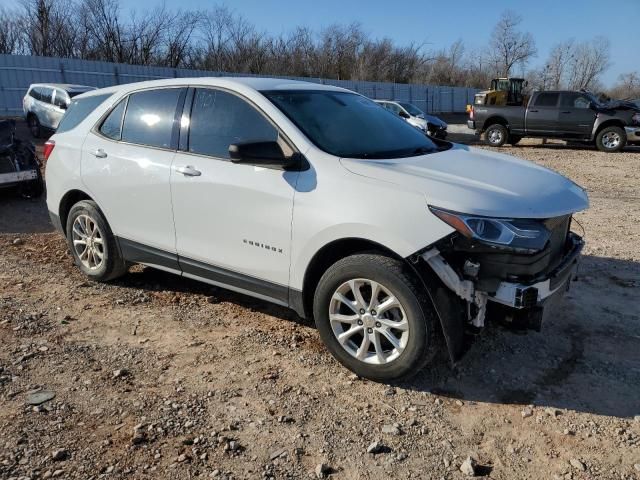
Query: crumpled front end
[485, 281]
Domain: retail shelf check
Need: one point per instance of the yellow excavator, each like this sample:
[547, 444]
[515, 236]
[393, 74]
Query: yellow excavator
[503, 91]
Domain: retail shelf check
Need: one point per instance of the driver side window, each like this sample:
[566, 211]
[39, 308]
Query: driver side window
[219, 119]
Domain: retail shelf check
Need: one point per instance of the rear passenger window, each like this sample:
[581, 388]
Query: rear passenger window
[60, 100]
[111, 127]
[35, 93]
[150, 117]
[79, 110]
[547, 100]
[219, 119]
[45, 94]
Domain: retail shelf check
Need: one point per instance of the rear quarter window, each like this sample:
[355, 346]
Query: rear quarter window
[78, 110]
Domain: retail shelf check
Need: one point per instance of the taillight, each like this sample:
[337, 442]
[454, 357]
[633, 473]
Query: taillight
[471, 113]
[48, 148]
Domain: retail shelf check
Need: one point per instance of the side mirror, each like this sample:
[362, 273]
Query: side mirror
[264, 154]
[404, 114]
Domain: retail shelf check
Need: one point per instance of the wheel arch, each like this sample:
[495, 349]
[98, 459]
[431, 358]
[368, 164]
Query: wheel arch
[613, 122]
[67, 201]
[327, 256]
[495, 119]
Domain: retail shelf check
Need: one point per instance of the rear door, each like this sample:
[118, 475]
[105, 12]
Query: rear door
[576, 117]
[542, 114]
[126, 166]
[45, 109]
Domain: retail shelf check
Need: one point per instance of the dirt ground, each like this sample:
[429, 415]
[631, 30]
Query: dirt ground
[157, 377]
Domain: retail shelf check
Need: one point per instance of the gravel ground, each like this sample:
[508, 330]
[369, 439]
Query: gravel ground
[158, 377]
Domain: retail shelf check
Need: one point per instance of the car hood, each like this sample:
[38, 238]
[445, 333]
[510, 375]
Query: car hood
[435, 121]
[479, 182]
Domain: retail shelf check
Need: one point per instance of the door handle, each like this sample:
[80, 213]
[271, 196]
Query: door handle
[533, 111]
[188, 171]
[566, 111]
[99, 153]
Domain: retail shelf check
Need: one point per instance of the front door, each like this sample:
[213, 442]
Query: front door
[126, 166]
[576, 117]
[233, 221]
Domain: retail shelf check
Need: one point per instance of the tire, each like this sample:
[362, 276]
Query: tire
[414, 347]
[514, 139]
[496, 135]
[111, 265]
[611, 139]
[34, 126]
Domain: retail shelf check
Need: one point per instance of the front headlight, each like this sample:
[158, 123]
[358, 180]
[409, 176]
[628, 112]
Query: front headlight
[520, 235]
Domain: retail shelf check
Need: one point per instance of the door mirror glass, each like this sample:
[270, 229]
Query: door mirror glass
[267, 154]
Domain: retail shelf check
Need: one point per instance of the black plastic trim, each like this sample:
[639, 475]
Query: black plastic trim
[139, 253]
[279, 293]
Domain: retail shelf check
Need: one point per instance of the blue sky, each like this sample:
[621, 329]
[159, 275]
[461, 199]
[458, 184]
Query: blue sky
[440, 23]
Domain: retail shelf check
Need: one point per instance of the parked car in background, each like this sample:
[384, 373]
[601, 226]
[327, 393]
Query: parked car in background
[429, 124]
[394, 241]
[45, 104]
[567, 115]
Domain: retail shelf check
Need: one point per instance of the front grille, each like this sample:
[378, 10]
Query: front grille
[6, 164]
[559, 228]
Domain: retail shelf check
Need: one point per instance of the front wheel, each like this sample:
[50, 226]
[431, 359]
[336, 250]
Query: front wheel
[496, 135]
[611, 139]
[92, 243]
[375, 318]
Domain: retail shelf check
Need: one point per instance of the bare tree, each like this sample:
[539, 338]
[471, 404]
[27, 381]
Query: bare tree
[509, 46]
[47, 27]
[627, 87]
[588, 61]
[557, 65]
[10, 32]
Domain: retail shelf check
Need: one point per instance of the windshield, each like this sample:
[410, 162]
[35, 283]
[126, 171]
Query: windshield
[349, 125]
[412, 109]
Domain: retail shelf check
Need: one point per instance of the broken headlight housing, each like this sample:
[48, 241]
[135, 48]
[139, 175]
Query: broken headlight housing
[520, 235]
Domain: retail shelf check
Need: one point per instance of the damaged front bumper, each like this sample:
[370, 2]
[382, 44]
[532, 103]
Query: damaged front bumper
[521, 301]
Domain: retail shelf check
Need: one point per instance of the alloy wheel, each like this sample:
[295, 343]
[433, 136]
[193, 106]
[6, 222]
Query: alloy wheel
[368, 321]
[88, 242]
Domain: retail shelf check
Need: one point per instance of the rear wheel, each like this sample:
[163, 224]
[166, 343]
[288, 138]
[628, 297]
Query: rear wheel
[611, 139]
[496, 135]
[92, 243]
[375, 318]
[34, 126]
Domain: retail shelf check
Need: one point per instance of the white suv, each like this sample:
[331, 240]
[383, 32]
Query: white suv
[313, 197]
[45, 103]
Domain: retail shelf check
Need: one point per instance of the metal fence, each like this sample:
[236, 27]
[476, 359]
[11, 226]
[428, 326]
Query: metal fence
[17, 72]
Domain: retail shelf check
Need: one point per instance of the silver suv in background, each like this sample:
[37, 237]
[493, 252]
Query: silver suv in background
[45, 104]
[429, 124]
